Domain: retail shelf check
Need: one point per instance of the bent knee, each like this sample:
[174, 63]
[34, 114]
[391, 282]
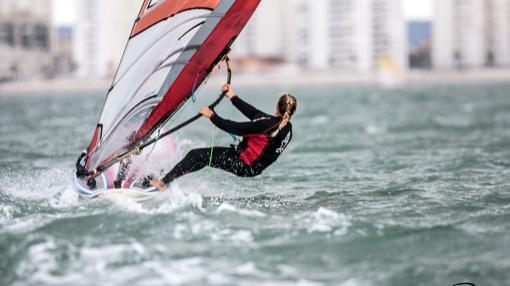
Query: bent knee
[196, 152]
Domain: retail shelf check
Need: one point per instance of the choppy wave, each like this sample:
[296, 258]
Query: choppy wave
[378, 187]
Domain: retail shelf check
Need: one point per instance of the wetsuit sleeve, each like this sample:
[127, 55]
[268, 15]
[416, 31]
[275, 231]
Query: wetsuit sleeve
[247, 109]
[244, 128]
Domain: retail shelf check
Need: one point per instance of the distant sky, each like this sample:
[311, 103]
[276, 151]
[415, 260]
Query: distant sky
[65, 11]
[418, 9]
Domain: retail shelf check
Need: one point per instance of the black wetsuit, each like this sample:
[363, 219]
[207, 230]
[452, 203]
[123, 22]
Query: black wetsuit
[256, 152]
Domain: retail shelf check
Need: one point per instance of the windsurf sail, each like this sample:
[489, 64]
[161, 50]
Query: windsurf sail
[173, 46]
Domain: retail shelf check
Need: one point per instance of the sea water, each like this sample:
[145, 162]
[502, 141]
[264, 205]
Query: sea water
[408, 186]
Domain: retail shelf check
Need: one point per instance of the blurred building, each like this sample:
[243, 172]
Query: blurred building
[321, 35]
[268, 40]
[498, 29]
[471, 34]
[326, 35]
[389, 35]
[459, 34]
[101, 33]
[335, 35]
[256, 40]
[63, 51]
[25, 39]
[419, 40]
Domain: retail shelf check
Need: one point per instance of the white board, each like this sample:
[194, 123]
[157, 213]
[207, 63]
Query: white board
[127, 195]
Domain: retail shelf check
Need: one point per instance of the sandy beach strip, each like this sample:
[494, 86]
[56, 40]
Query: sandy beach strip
[63, 86]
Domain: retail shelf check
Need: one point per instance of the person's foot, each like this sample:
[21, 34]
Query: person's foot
[160, 185]
[146, 182]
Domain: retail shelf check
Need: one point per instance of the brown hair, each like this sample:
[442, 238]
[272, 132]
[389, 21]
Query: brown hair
[287, 105]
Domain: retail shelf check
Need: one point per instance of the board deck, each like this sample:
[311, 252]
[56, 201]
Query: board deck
[132, 193]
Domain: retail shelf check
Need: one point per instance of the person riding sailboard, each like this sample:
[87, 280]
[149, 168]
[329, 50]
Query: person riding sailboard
[265, 137]
[172, 49]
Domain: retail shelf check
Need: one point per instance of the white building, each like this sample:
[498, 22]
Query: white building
[25, 39]
[459, 38]
[389, 35]
[270, 35]
[351, 35]
[34, 8]
[325, 35]
[313, 34]
[319, 35]
[102, 31]
[262, 35]
[471, 34]
[349, 32]
[498, 30]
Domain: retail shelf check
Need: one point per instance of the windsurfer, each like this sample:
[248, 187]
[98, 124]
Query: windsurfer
[265, 137]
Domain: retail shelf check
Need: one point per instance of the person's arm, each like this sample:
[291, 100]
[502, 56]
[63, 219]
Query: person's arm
[243, 128]
[247, 109]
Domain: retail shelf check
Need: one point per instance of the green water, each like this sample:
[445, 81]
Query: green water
[379, 187]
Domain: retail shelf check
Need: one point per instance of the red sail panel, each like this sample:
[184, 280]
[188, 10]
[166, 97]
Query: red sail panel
[229, 28]
[165, 9]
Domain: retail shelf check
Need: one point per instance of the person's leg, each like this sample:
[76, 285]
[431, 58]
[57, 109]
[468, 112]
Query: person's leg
[197, 159]
[229, 160]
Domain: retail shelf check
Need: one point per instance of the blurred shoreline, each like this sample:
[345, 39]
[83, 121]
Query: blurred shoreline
[414, 77]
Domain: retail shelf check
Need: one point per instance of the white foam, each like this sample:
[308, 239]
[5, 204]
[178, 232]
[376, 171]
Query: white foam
[356, 282]
[469, 107]
[28, 223]
[301, 282]
[247, 268]
[325, 221]
[374, 130]
[91, 267]
[219, 279]
[319, 120]
[51, 188]
[178, 272]
[7, 212]
[40, 263]
[226, 208]
[242, 236]
[171, 200]
[180, 231]
[166, 154]
[36, 185]
[65, 199]
[239, 237]
[156, 162]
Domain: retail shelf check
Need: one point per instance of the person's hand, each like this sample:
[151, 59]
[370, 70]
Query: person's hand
[159, 185]
[206, 112]
[227, 89]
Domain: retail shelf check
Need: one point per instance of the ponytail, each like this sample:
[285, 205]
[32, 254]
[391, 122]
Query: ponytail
[286, 106]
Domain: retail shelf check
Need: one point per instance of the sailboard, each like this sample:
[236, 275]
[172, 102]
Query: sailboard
[172, 49]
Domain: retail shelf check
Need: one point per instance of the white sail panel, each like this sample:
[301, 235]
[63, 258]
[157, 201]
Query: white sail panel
[141, 76]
